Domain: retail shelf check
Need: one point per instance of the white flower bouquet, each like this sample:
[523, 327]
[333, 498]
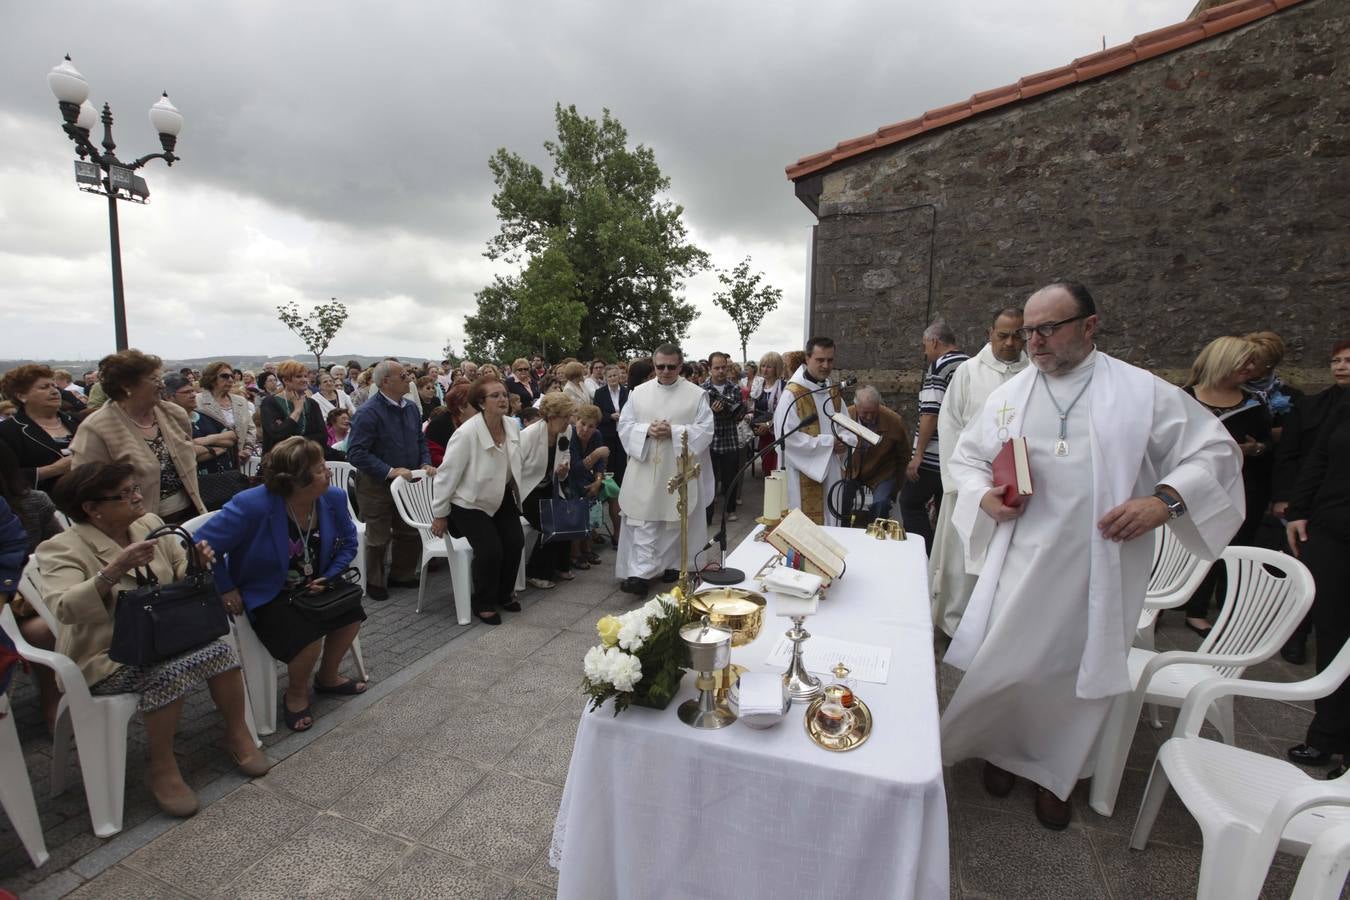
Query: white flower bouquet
[640, 658]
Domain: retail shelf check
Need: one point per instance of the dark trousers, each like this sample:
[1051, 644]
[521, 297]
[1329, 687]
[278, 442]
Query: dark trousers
[544, 560]
[1328, 559]
[726, 463]
[497, 542]
[1216, 582]
[914, 497]
[384, 524]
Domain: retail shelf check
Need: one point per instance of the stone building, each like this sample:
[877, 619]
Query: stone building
[1195, 178]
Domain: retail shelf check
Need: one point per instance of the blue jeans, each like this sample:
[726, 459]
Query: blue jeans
[883, 495]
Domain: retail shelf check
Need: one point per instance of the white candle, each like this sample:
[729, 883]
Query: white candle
[775, 494]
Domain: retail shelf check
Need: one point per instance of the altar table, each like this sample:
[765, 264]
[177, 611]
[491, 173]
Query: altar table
[654, 808]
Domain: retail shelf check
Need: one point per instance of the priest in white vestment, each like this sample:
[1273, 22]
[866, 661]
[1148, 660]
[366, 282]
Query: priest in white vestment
[949, 584]
[813, 457]
[651, 427]
[1115, 452]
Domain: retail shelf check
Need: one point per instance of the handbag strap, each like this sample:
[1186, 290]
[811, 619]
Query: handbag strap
[195, 566]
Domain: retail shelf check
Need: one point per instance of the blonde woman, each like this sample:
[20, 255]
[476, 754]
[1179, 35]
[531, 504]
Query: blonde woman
[1216, 381]
[544, 465]
[771, 385]
[574, 374]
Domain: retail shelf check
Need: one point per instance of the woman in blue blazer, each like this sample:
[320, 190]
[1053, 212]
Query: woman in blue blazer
[292, 533]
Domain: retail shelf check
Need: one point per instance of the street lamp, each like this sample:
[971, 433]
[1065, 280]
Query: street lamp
[102, 172]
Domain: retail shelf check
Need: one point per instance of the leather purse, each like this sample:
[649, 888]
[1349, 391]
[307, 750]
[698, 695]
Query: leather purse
[153, 622]
[564, 518]
[217, 488]
[341, 594]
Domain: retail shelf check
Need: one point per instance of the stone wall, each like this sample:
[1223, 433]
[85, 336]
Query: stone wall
[1200, 193]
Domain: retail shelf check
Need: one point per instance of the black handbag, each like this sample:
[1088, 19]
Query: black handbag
[341, 594]
[564, 518]
[217, 488]
[153, 622]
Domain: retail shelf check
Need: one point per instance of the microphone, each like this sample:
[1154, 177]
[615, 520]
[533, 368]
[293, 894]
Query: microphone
[723, 575]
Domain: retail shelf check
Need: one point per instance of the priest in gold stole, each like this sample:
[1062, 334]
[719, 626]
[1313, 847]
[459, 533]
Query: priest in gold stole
[651, 427]
[814, 456]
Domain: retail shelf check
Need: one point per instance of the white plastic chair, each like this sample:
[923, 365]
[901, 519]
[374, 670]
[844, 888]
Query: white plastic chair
[1247, 805]
[100, 729]
[412, 499]
[340, 476]
[16, 791]
[1175, 576]
[1259, 614]
[1322, 876]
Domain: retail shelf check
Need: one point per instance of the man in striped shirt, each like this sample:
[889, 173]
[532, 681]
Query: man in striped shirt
[923, 476]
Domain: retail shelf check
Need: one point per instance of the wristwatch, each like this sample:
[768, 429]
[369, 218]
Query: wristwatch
[1175, 507]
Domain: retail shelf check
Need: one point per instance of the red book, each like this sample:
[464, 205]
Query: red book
[1013, 469]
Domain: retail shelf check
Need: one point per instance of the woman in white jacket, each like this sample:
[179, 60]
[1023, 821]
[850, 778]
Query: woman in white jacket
[475, 497]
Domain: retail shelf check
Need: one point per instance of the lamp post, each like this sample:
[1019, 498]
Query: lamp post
[101, 172]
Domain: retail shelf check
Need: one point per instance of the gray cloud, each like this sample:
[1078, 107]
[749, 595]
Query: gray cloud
[341, 149]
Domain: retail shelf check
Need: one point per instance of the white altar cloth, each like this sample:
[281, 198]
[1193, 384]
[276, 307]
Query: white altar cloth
[654, 808]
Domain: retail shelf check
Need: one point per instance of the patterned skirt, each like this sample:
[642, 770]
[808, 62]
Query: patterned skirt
[163, 683]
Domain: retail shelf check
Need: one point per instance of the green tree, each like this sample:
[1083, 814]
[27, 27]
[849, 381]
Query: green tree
[317, 329]
[604, 253]
[745, 300]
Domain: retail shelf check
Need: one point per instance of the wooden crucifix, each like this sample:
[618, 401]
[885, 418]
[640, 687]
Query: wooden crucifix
[687, 469]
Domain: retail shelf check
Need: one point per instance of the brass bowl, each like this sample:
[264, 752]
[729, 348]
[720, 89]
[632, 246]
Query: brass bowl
[739, 611]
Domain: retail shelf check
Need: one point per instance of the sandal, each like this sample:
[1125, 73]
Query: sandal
[348, 688]
[293, 718]
[593, 558]
[581, 563]
[564, 576]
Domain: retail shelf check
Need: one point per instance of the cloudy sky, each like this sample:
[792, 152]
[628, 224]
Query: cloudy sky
[340, 149]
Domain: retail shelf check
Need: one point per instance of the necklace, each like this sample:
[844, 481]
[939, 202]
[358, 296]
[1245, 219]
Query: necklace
[1062, 445]
[138, 422]
[306, 567]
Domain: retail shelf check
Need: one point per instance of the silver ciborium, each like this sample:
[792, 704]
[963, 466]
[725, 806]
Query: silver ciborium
[709, 652]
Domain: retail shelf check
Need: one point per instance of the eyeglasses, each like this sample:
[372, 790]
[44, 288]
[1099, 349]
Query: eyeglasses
[665, 368]
[1045, 329]
[133, 491]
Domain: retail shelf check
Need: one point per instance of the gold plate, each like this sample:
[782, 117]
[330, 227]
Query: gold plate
[852, 739]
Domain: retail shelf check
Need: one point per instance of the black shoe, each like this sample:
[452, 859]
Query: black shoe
[1336, 772]
[670, 576]
[404, 582]
[513, 606]
[998, 782]
[1305, 755]
[1051, 811]
[377, 593]
[1295, 652]
[634, 586]
[489, 618]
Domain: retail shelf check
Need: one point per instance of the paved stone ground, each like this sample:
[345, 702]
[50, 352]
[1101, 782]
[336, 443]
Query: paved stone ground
[443, 781]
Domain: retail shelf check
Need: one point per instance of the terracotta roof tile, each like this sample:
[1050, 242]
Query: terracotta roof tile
[1216, 20]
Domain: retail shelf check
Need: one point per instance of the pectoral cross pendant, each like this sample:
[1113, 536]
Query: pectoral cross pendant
[1062, 445]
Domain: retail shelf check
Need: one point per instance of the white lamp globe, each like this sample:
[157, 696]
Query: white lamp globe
[67, 83]
[88, 116]
[165, 117]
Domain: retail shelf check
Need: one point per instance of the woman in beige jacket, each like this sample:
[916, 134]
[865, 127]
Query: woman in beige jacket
[84, 570]
[138, 428]
[218, 401]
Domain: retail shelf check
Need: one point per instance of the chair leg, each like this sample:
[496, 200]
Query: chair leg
[355, 653]
[16, 794]
[1112, 749]
[61, 738]
[260, 681]
[1154, 794]
[422, 584]
[1227, 871]
[361, 558]
[103, 764]
[461, 582]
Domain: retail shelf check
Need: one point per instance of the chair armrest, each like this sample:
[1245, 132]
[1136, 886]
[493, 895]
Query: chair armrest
[1198, 701]
[72, 679]
[1182, 657]
[1300, 799]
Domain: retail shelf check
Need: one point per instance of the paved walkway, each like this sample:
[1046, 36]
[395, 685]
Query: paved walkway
[443, 781]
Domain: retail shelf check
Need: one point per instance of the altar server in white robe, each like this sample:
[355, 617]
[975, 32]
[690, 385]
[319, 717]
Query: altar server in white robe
[651, 427]
[1115, 453]
[949, 584]
[813, 457]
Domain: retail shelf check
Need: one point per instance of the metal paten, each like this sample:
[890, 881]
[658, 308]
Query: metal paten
[709, 650]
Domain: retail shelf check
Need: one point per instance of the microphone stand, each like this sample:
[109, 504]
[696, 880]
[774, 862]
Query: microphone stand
[723, 575]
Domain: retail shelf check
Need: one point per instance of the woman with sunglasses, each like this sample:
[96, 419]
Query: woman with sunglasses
[219, 403]
[84, 569]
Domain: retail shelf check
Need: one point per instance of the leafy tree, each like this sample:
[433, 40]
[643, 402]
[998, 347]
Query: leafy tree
[604, 254]
[744, 300]
[318, 329]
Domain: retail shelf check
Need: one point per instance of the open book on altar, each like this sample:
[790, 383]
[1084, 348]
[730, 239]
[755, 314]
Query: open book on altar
[798, 535]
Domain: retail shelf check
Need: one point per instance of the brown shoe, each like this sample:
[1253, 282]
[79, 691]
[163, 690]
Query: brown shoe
[255, 765]
[998, 782]
[1052, 812]
[177, 800]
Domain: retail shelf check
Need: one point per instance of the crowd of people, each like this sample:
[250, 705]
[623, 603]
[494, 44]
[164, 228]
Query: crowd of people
[90, 466]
